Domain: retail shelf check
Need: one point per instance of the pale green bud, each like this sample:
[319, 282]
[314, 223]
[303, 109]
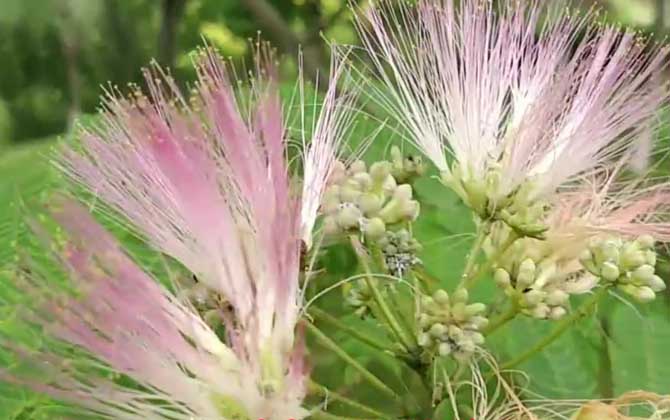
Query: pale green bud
[533, 297]
[403, 193]
[541, 311]
[410, 210]
[357, 167]
[557, 297]
[643, 274]
[380, 170]
[444, 349]
[424, 339]
[438, 330]
[656, 284]
[364, 180]
[441, 297]
[650, 257]
[348, 216]
[644, 294]
[479, 322]
[610, 251]
[424, 320]
[557, 312]
[646, 241]
[526, 275]
[427, 302]
[373, 228]
[609, 271]
[460, 295]
[477, 338]
[458, 311]
[455, 332]
[502, 278]
[633, 258]
[389, 186]
[369, 203]
[474, 309]
[586, 258]
[349, 193]
[467, 346]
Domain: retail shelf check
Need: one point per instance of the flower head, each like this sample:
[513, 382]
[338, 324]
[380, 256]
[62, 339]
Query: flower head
[207, 183]
[511, 95]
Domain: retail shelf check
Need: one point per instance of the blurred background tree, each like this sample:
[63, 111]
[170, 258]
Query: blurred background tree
[57, 53]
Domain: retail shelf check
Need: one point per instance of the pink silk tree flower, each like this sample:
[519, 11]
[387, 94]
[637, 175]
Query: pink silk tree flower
[523, 92]
[118, 321]
[206, 181]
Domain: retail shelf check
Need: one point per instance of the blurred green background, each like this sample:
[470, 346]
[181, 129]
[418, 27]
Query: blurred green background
[56, 55]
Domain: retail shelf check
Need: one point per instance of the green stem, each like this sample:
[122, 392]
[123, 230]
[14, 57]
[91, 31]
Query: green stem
[331, 345]
[353, 332]
[320, 390]
[390, 319]
[584, 310]
[469, 280]
[469, 270]
[502, 319]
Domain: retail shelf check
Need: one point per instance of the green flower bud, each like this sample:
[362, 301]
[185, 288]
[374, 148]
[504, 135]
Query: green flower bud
[477, 338]
[650, 257]
[643, 274]
[557, 297]
[479, 322]
[609, 251]
[526, 275]
[646, 241]
[357, 167]
[373, 228]
[410, 210]
[533, 297]
[441, 297]
[644, 294]
[557, 312]
[364, 180]
[349, 194]
[427, 302]
[424, 339]
[455, 332]
[656, 284]
[337, 173]
[541, 311]
[380, 170]
[438, 330]
[369, 203]
[425, 320]
[502, 278]
[609, 271]
[633, 258]
[403, 193]
[474, 309]
[460, 295]
[444, 349]
[348, 216]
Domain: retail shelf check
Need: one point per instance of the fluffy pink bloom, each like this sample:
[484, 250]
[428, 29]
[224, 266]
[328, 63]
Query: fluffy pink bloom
[500, 88]
[601, 205]
[207, 182]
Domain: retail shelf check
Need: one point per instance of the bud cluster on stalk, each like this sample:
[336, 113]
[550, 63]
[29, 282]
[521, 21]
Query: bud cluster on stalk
[399, 249]
[630, 265]
[534, 278]
[520, 209]
[366, 200]
[359, 297]
[405, 168]
[449, 326]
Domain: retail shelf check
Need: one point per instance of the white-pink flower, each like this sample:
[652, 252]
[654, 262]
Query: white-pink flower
[205, 181]
[523, 90]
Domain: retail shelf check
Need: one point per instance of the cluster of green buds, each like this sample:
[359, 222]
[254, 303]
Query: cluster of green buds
[520, 209]
[449, 326]
[359, 297]
[405, 168]
[538, 288]
[627, 264]
[366, 200]
[399, 249]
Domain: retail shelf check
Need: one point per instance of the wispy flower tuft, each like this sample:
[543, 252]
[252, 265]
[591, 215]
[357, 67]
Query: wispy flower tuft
[513, 93]
[207, 182]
